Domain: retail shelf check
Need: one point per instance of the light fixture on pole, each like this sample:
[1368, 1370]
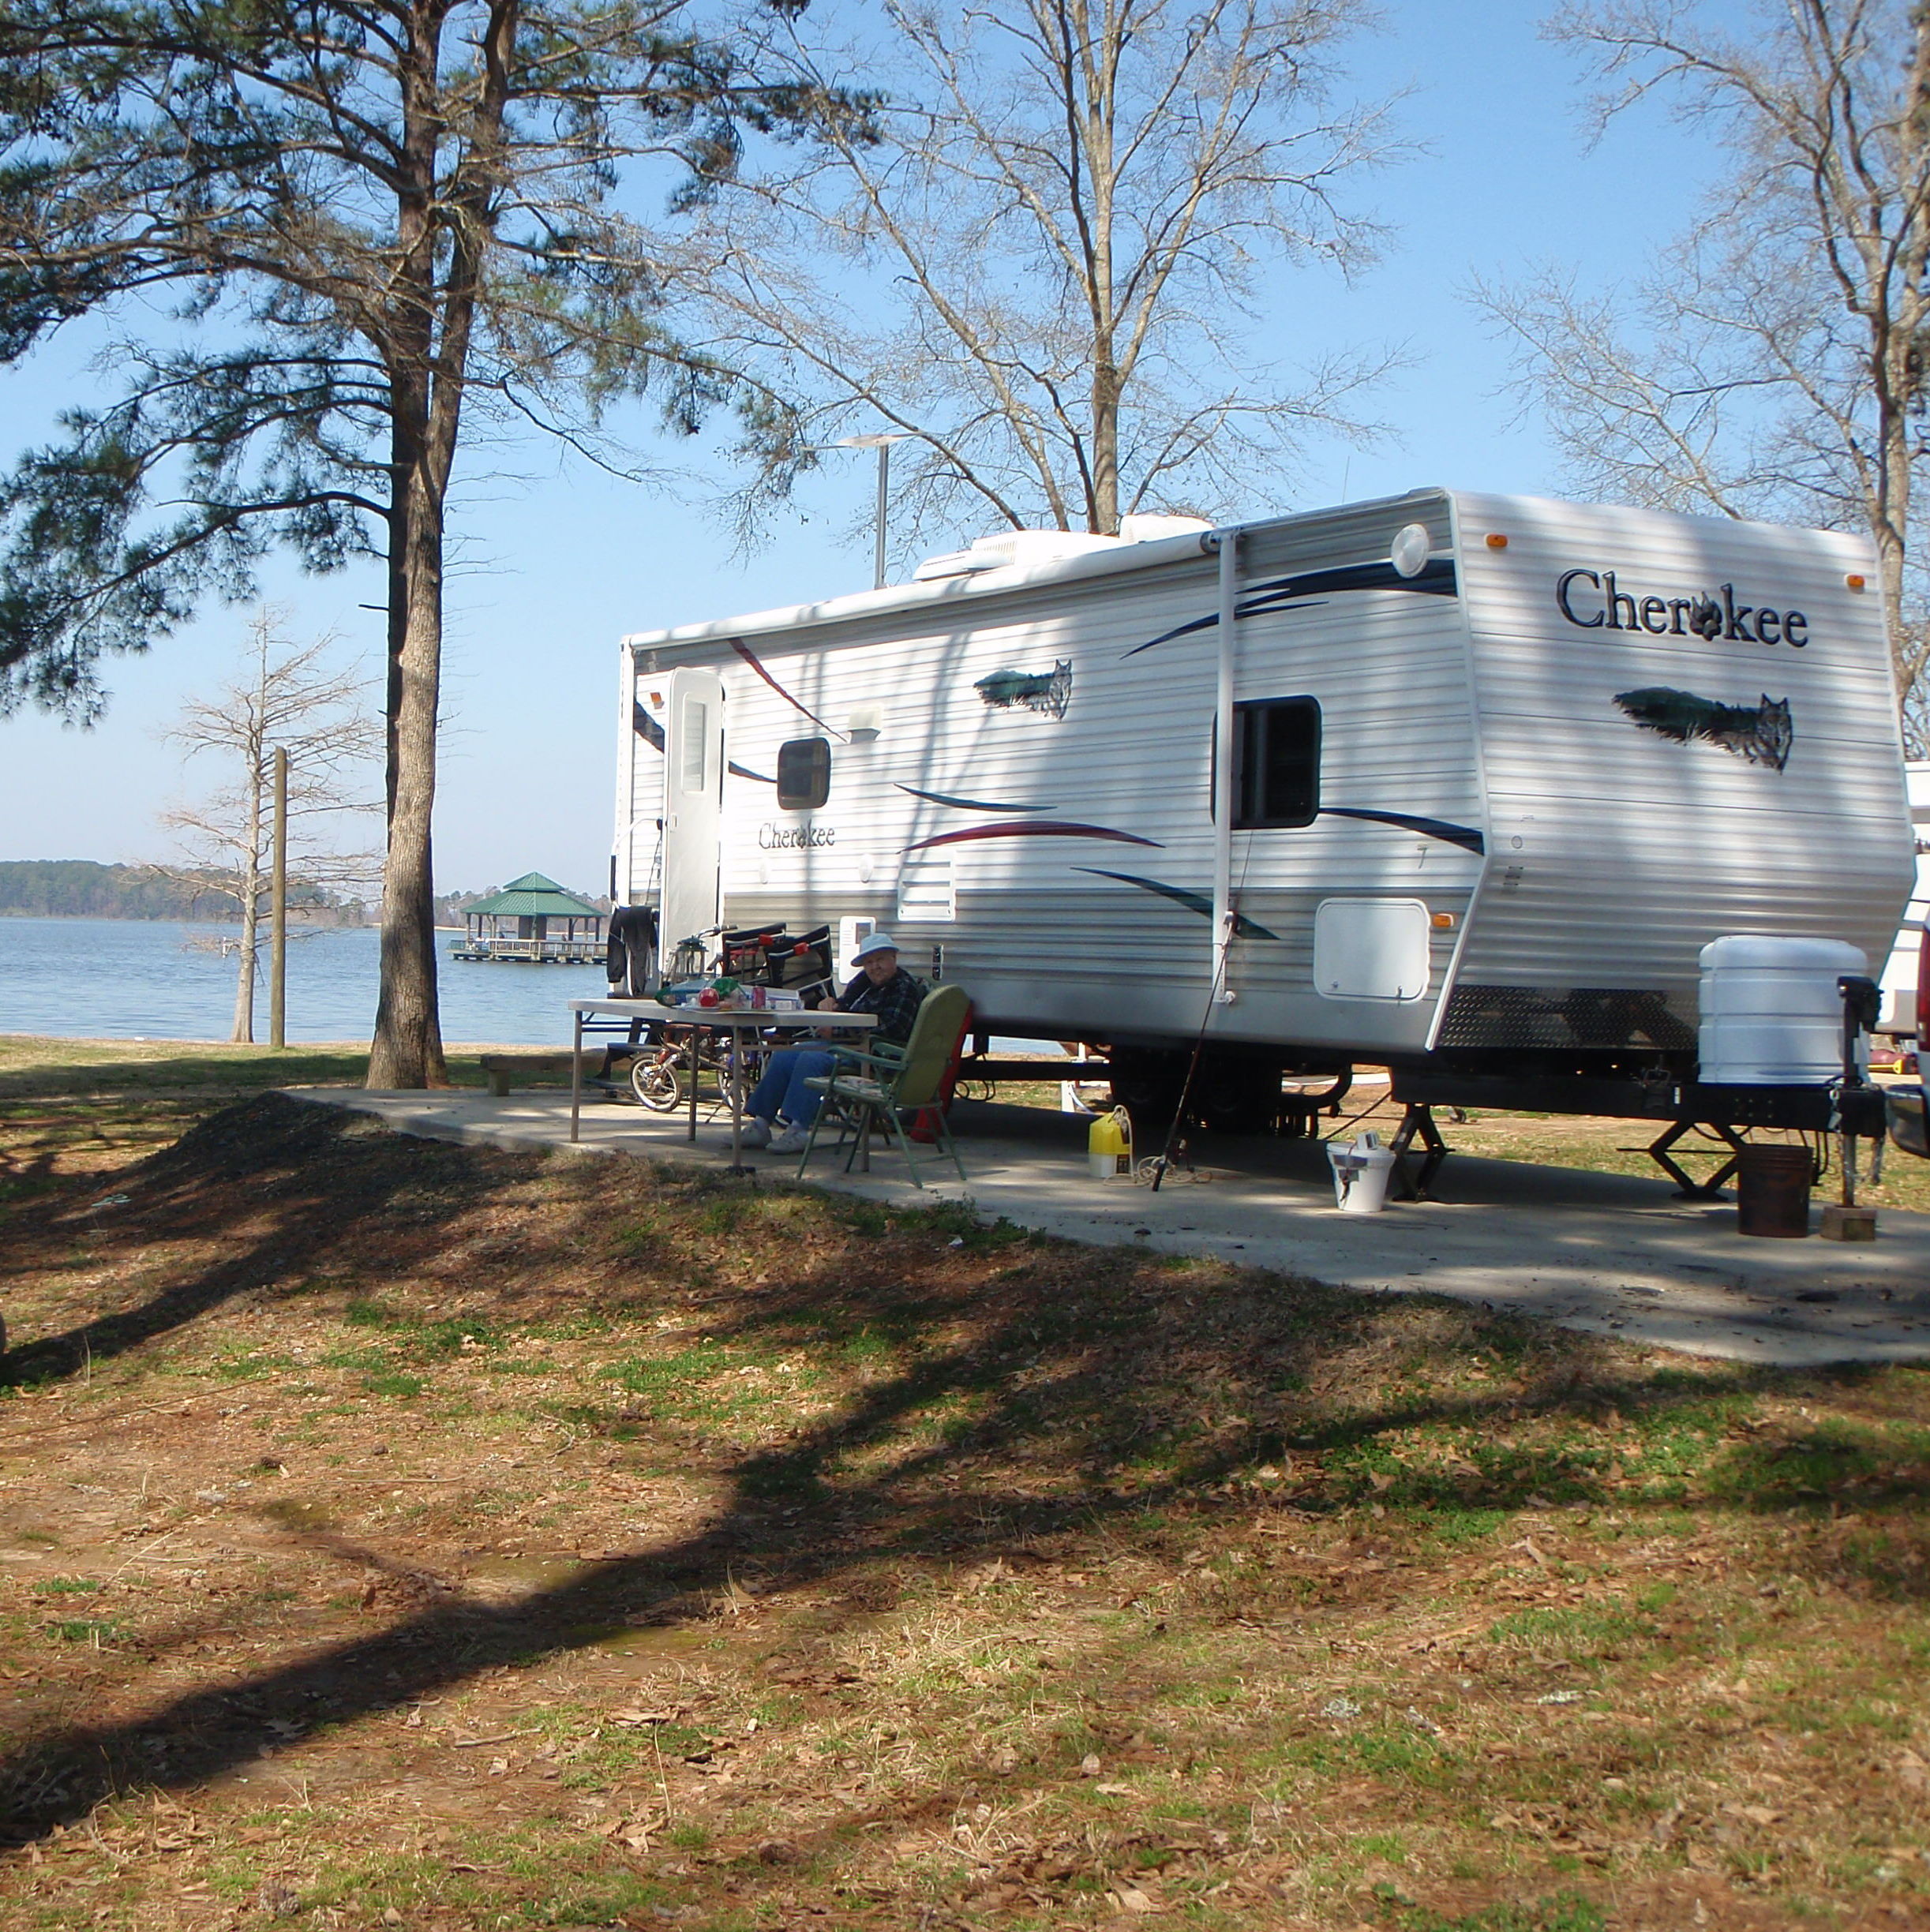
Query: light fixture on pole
[882, 443]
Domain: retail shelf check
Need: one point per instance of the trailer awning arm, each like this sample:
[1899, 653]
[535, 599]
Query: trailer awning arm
[1228, 542]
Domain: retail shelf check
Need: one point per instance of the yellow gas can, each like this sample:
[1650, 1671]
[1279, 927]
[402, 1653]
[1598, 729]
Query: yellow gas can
[1109, 1145]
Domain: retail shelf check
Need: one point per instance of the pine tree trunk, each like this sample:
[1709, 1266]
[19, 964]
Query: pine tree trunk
[407, 1051]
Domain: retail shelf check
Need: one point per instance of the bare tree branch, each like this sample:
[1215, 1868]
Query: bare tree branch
[291, 698]
[1046, 257]
[1771, 363]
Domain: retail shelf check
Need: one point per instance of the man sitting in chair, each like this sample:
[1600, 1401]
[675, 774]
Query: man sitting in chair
[783, 1106]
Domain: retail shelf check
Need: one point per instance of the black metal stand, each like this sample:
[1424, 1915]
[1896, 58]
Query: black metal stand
[1688, 1187]
[1417, 1121]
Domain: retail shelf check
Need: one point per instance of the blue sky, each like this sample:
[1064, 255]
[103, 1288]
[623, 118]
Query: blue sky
[558, 563]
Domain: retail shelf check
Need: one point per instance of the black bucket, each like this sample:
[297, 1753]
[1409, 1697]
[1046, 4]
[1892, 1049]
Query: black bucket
[1772, 1191]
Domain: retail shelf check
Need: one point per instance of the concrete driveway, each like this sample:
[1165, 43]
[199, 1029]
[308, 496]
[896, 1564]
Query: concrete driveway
[1610, 1254]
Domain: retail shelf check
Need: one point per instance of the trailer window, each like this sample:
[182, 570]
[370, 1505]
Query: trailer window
[1276, 762]
[803, 774]
[696, 738]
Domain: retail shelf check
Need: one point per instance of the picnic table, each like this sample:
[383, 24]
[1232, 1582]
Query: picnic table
[705, 1019]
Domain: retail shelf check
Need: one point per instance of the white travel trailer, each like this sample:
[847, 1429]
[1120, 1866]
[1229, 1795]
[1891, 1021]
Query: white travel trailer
[1502, 767]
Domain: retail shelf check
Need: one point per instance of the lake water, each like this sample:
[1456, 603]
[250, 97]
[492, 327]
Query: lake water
[141, 979]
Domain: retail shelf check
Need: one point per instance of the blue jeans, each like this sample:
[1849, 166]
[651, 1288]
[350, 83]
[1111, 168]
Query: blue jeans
[782, 1091]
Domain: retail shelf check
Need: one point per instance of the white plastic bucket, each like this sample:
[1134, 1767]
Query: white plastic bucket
[1360, 1174]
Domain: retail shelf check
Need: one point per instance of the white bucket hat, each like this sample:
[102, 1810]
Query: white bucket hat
[874, 942]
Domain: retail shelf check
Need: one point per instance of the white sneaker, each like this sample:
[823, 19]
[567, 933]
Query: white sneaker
[756, 1132]
[793, 1140]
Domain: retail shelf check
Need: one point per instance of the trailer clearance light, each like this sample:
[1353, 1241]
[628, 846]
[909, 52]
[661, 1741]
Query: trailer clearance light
[1445, 921]
[1496, 541]
[1855, 583]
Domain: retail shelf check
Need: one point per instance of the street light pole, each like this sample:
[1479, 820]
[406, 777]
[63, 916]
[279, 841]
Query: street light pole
[278, 908]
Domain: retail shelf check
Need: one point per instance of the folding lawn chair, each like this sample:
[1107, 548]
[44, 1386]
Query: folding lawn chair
[886, 1082]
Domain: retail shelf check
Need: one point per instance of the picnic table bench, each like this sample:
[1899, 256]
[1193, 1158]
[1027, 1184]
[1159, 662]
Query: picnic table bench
[500, 1066]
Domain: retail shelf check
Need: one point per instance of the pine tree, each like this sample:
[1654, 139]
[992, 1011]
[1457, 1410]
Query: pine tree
[379, 219]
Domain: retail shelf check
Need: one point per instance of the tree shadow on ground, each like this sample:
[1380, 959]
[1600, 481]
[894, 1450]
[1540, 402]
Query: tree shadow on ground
[307, 1183]
[1018, 1389]
[243, 1069]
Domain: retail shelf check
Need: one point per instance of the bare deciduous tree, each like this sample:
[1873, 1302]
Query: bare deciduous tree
[1771, 364]
[290, 698]
[1048, 259]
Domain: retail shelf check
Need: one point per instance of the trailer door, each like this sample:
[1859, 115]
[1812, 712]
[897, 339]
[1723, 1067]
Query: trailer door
[693, 807]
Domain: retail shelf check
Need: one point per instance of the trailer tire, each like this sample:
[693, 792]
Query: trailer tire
[1147, 1081]
[1237, 1093]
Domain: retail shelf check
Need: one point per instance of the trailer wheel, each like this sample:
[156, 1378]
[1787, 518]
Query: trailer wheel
[1147, 1082]
[1237, 1093]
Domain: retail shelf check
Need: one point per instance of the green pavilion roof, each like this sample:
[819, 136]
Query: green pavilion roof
[533, 896]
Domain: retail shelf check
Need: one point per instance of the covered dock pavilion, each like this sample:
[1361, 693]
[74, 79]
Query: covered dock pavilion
[535, 921]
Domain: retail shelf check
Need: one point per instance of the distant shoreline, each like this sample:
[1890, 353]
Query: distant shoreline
[298, 916]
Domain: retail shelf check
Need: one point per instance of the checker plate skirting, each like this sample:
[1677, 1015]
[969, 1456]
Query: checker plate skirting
[1535, 1017]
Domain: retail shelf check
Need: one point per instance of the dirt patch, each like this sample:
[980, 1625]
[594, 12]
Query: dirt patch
[398, 1532]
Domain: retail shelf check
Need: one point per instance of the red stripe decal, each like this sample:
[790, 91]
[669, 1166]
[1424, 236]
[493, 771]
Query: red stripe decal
[1032, 828]
[744, 651]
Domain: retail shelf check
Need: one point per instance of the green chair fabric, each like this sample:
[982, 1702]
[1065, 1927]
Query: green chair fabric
[885, 1083]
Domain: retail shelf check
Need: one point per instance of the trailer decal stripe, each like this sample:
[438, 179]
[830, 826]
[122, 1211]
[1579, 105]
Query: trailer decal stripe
[1193, 901]
[1436, 578]
[965, 804]
[744, 651]
[1032, 828]
[1464, 836]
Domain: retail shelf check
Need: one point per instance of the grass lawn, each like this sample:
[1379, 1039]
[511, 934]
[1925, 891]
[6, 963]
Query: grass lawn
[394, 1533]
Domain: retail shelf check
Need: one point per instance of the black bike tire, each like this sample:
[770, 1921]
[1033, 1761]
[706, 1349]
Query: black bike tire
[648, 1079]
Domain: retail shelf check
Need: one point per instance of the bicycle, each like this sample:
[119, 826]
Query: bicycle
[658, 1078]
[767, 955]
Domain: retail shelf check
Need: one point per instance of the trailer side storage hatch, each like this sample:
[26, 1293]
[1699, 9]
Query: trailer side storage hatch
[1370, 948]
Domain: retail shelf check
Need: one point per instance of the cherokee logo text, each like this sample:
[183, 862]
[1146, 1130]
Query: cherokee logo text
[1591, 600]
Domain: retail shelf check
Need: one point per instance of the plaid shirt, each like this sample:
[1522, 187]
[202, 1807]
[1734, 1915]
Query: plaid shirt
[896, 1004]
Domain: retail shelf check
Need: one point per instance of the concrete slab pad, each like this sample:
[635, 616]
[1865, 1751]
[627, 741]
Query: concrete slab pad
[1608, 1254]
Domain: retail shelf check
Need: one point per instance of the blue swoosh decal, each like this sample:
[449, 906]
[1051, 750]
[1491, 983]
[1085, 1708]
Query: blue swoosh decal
[966, 804]
[1194, 902]
[1463, 835]
[1436, 578]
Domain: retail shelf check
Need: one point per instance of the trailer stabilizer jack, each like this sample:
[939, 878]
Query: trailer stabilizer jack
[1688, 1187]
